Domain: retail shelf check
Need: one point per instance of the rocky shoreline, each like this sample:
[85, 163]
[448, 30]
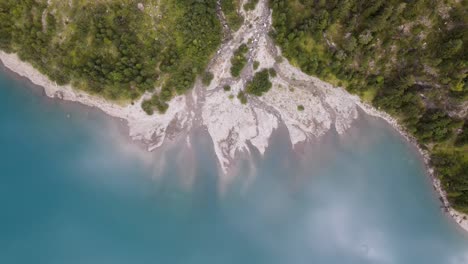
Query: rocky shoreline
[231, 124]
[460, 218]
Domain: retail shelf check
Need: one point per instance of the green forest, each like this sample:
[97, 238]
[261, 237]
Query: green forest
[116, 49]
[408, 58]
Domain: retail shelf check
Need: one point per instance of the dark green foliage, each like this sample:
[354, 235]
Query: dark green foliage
[207, 78]
[453, 171]
[255, 65]
[155, 103]
[233, 17]
[160, 105]
[109, 49]
[300, 108]
[462, 137]
[147, 106]
[452, 47]
[227, 88]
[201, 32]
[260, 83]
[272, 72]
[434, 126]
[250, 5]
[6, 26]
[238, 60]
[242, 98]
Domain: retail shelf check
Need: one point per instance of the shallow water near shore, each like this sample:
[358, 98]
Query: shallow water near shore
[74, 189]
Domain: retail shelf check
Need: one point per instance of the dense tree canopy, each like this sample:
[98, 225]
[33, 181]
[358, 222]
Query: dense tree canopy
[453, 171]
[231, 11]
[462, 137]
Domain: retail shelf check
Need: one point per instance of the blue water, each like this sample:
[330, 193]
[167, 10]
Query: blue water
[74, 190]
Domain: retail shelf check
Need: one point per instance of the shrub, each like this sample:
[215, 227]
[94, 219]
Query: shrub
[259, 84]
[238, 60]
[242, 98]
[207, 78]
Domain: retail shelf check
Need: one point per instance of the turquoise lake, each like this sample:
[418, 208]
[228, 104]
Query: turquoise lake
[74, 189]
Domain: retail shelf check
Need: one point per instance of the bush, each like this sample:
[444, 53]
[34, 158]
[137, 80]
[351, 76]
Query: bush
[242, 98]
[272, 72]
[233, 18]
[147, 106]
[434, 125]
[207, 78]
[238, 60]
[260, 83]
[255, 65]
[452, 170]
[462, 138]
